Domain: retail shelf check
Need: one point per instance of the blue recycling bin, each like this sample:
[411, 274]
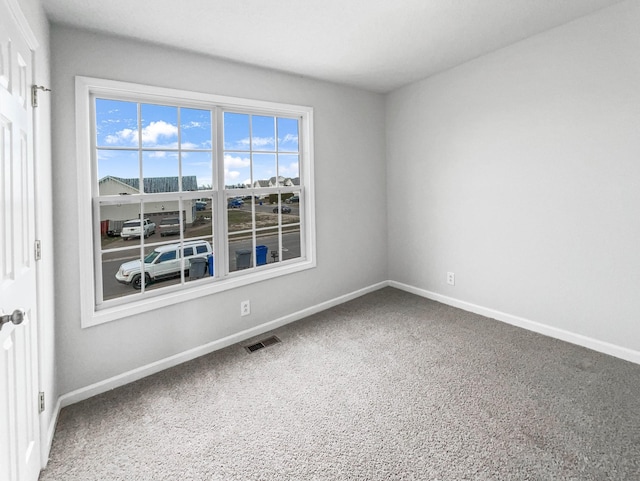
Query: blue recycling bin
[261, 255]
[210, 262]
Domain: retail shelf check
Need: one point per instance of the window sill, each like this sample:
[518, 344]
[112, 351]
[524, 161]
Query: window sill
[206, 288]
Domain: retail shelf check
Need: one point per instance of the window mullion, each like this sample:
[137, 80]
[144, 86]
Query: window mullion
[221, 228]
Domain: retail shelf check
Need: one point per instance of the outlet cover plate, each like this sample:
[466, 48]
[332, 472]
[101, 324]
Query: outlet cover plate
[245, 308]
[451, 278]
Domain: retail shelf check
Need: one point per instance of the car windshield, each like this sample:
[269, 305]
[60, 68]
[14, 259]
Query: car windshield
[151, 256]
[135, 223]
[169, 221]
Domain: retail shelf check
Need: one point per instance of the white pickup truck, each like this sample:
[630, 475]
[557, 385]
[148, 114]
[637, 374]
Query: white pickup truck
[132, 228]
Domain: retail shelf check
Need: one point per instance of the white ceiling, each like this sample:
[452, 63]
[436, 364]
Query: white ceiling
[377, 45]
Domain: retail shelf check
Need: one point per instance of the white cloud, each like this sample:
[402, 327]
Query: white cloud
[257, 142]
[155, 130]
[193, 125]
[236, 161]
[150, 134]
[124, 135]
[289, 138]
[262, 141]
[290, 170]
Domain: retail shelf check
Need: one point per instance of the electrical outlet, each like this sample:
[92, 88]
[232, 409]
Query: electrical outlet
[245, 308]
[451, 278]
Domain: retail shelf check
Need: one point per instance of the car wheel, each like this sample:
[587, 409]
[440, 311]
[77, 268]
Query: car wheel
[136, 282]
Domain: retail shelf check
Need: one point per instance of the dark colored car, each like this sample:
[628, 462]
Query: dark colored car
[294, 199]
[285, 209]
[234, 203]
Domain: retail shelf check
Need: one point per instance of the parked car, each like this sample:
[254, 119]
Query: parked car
[235, 203]
[132, 228]
[170, 226]
[285, 209]
[294, 199]
[114, 228]
[162, 263]
[201, 205]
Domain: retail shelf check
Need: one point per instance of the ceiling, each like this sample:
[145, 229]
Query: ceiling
[377, 45]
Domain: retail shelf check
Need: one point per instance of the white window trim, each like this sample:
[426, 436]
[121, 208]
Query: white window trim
[137, 92]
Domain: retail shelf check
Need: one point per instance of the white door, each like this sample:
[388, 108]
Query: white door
[19, 407]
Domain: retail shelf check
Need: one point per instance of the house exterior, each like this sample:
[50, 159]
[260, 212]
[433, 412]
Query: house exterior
[282, 181]
[155, 211]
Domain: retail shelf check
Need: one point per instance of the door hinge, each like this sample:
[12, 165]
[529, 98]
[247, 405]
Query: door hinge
[37, 250]
[41, 402]
[34, 94]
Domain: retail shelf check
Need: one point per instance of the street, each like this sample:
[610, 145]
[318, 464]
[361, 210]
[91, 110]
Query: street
[111, 262]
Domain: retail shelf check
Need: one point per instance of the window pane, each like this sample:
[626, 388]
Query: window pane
[240, 255]
[197, 258]
[120, 165]
[288, 167]
[116, 123]
[263, 133]
[239, 216]
[119, 271]
[290, 212]
[287, 135]
[159, 126]
[197, 171]
[195, 129]
[266, 214]
[163, 265]
[236, 131]
[267, 243]
[291, 243]
[237, 170]
[160, 170]
[199, 220]
[264, 170]
[112, 219]
[171, 224]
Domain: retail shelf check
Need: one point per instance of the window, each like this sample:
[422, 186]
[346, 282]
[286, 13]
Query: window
[166, 171]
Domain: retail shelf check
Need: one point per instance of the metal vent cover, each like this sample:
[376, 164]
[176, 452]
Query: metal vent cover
[269, 341]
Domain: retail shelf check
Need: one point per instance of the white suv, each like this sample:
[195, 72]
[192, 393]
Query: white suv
[161, 263]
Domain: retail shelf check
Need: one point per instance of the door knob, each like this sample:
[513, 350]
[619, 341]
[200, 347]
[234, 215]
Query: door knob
[16, 317]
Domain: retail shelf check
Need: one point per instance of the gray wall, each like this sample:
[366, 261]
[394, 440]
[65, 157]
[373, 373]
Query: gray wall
[520, 173]
[350, 204]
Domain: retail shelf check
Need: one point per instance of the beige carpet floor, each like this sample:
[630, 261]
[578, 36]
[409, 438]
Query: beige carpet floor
[389, 386]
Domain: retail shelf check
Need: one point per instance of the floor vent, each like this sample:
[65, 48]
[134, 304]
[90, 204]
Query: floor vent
[269, 341]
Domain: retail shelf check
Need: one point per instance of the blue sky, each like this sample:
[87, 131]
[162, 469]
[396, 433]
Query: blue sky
[247, 139]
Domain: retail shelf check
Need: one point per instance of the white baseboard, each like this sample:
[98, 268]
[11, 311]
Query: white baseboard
[144, 371]
[573, 338]
[51, 430]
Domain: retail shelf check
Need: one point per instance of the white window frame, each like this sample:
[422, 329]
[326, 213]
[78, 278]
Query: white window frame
[86, 87]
